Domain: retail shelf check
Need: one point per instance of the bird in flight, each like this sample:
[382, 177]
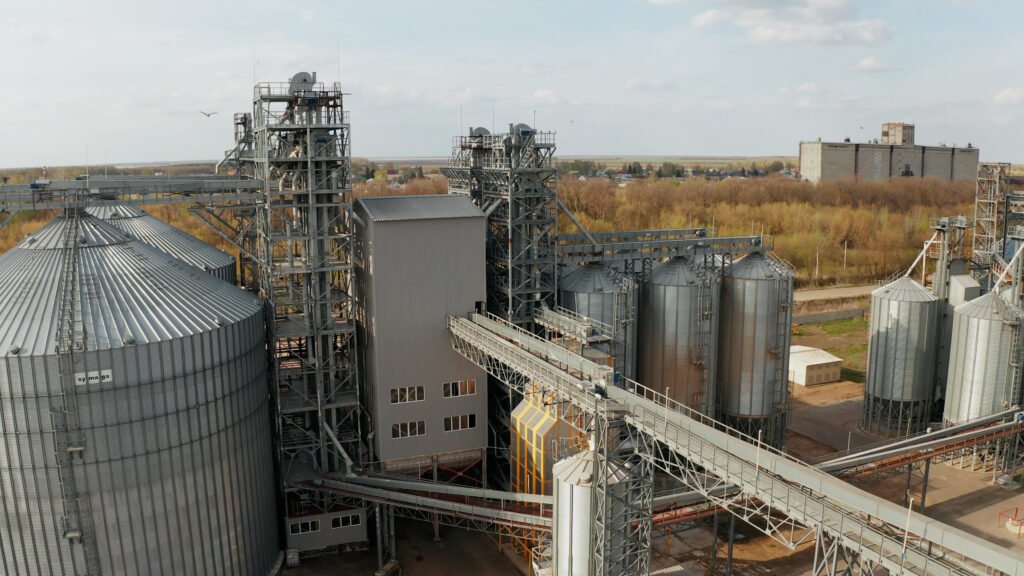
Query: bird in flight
[207, 114]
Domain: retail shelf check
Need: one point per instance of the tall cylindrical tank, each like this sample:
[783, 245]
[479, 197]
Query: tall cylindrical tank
[156, 427]
[902, 342]
[679, 332]
[985, 344]
[753, 355]
[140, 225]
[601, 294]
[572, 538]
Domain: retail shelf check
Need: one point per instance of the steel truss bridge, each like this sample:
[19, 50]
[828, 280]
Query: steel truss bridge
[791, 501]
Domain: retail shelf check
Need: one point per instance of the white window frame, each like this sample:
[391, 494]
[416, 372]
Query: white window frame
[410, 429]
[459, 423]
[403, 394]
[459, 388]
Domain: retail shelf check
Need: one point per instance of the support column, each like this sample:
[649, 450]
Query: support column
[391, 533]
[924, 487]
[380, 539]
[732, 538]
[906, 491]
[714, 545]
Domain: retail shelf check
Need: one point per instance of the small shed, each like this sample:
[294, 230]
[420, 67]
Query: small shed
[812, 366]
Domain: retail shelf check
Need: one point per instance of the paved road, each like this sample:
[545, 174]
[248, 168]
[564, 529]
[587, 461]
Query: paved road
[833, 293]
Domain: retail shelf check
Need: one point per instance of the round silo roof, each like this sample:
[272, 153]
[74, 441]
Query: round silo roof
[904, 289]
[128, 293]
[755, 266]
[591, 278]
[986, 307]
[677, 271]
[141, 225]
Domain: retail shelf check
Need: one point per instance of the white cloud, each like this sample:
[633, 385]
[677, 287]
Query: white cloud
[1009, 96]
[793, 21]
[708, 18]
[872, 64]
[527, 70]
[546, 96]
[806, 88]
[805, 102]
[306, 15]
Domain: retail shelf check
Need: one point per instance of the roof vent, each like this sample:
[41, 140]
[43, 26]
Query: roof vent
[128, 339]
[15, 349]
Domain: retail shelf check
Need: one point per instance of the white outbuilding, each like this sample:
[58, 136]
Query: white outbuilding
[812, 366]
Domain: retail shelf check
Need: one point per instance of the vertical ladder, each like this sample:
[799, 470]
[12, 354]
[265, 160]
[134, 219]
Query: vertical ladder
[69, 439]
[780, 388]
[703, 344]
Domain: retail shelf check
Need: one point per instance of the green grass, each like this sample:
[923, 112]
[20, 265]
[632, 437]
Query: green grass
[841, 327]
[852, 375]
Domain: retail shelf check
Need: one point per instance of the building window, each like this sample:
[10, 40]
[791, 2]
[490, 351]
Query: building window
[463, 422]
[305, 527]
[460, 388]
[409, 429]
[407, 394]
[346, 521]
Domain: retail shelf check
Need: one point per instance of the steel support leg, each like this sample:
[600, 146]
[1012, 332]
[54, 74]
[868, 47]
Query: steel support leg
[714, 546]
[732, 539]
[924, 487]
[380, 539]
[391, 533]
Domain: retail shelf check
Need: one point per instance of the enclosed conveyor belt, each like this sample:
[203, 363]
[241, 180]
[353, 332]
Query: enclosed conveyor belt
[875, 530]
[497, 508]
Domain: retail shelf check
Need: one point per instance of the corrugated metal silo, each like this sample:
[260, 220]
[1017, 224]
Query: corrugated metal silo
[140, 225]
[573, 520]
[902, 343]
[159, 433]
[753, 355]
[985, 344]
[679, 332]
[601, 294]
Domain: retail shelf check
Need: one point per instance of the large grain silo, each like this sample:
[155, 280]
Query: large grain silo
[679, 332]
[902, 343]
[135, 435]
[573, 520]
[983, 351]
[753, 354]
[139, 224]
[602, 294]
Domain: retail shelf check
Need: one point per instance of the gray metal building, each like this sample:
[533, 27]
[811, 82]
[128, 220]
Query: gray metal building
[141, 443]
[895, 155]
[419, 259]
[141, 225]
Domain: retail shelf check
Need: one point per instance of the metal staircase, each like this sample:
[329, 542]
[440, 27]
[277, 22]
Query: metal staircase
[76, 521]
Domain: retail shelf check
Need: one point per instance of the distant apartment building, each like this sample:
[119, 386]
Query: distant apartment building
[894, 155]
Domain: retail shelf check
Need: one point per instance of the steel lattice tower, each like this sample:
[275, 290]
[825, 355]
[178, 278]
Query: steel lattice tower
[512, 178]
[304, 247]
[989, 217]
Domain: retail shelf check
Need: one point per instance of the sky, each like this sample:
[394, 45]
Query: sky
[110, 81]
